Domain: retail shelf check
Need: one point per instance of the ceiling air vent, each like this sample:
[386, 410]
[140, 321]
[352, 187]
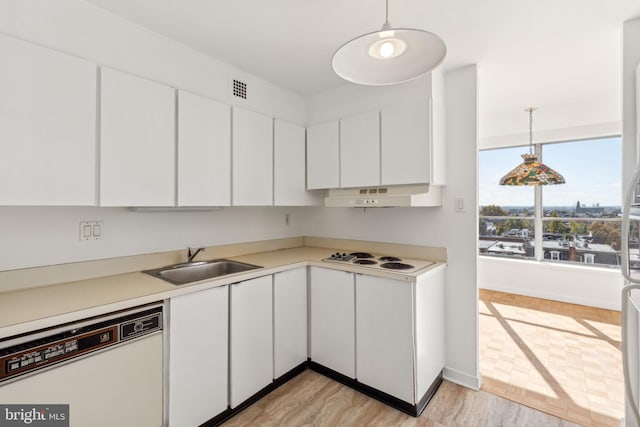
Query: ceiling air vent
[239, 89]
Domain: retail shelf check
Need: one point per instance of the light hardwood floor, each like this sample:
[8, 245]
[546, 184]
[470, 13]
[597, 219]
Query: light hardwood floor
[563, 359]
[310, 399]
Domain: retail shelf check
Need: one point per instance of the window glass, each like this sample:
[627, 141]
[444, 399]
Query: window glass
[592, 173]
[581, 218]
[506, 223]
[493, 165]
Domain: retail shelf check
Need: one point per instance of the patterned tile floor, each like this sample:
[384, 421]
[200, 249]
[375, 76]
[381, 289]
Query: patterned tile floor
[563, 359]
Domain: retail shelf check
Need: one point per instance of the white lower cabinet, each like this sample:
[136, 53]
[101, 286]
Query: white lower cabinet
[289, 320]
[333, 320]
[198, 327]
[384, 324]
[251, 338]
[228, 343]
[430, 330]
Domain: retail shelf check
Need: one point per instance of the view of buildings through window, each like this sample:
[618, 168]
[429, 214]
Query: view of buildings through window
[580, 220]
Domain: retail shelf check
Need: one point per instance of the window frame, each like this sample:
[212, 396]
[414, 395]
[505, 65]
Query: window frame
[539, 219]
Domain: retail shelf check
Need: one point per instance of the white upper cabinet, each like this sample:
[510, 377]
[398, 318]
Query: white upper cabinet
[47, 126]
[360, 150]
[252, 158]
[323, 156]
[137, 141]
[391, 135]
[289, 185]
[405, 143]
[204, 151]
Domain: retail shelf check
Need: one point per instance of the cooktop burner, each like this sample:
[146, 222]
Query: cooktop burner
[396, 266]
[341, 257]
[378, 261]
[361, 254]
[365, 261]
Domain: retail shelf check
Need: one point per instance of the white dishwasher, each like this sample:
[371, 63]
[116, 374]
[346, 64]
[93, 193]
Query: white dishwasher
[108, 369]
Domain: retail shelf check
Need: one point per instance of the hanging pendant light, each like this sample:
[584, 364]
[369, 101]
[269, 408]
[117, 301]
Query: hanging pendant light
[388, 56]
[531, 172]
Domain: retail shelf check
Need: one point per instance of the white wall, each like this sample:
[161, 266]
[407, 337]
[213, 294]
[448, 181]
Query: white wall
[44, 236]
[462, 227]
[457, 231]
[597, 130]
[593, 286]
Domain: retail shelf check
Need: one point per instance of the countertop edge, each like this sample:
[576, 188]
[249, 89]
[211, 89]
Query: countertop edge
[166, 291]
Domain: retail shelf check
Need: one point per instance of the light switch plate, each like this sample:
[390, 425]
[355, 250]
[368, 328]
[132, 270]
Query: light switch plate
[91, 230]
[459, 204]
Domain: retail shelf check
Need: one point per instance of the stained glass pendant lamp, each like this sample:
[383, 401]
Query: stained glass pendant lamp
[531, 171]
[389, 56]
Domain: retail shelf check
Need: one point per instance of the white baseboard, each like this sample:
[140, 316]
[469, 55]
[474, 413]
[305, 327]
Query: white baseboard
[462, 378]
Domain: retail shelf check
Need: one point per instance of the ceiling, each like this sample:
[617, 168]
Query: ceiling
[562, 56]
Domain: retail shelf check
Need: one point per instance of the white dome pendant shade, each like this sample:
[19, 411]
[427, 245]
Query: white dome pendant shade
[389, 56]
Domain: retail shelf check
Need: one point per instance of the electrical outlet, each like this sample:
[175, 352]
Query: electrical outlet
[91, 230]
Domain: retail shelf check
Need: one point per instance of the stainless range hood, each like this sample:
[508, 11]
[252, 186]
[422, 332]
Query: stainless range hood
[385, 197]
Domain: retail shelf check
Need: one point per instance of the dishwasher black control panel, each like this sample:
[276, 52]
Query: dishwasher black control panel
[24, 355]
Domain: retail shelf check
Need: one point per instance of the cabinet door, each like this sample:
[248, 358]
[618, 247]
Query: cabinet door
[360, 150]
[204, 151]
[430, 329]
[47, 126]
[323, 156]
[252, 158]
[198, 325]
[290, 320]
[289, 186]
[406, 154]
[333, 320]
[137, 141]
[384, 323]
[251, 338]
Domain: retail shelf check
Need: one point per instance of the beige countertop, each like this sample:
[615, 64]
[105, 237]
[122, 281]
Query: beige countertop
[26, 310]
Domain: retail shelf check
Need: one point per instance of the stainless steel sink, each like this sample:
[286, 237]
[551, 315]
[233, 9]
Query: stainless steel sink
[180, 274]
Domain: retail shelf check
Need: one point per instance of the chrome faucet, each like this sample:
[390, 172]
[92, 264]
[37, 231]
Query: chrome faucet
[192, 252]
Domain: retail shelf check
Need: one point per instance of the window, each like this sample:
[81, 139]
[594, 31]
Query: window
[579, 221]
[506, 213]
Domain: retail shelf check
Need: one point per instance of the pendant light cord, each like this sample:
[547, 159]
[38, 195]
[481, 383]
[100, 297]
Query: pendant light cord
[386, 24]
[530, 110]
